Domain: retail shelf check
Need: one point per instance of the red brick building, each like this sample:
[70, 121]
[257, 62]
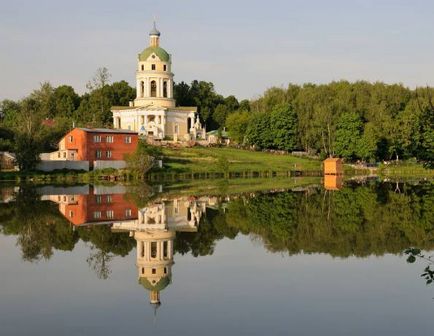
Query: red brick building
[95, 208]
[90, 144]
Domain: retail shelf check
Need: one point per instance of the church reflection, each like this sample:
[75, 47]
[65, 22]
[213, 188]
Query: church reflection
[153, 227]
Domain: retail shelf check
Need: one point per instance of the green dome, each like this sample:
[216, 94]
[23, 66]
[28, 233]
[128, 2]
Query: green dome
[160, 52]
[159, 286]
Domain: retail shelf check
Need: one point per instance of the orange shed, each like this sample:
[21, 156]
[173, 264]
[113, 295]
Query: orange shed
[333, 166]
[333, 182]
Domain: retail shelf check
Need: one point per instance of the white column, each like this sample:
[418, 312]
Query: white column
[138, 95]
[169, 88]
[170, 248]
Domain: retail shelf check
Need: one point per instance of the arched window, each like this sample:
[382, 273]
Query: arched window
[165, 89]
[142, 89]
[188, 124]
[153, 89]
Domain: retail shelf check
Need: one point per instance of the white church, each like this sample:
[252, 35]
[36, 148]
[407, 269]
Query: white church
[154, 113]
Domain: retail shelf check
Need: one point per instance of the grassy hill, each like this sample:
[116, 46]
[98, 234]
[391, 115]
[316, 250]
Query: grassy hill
[202, 159]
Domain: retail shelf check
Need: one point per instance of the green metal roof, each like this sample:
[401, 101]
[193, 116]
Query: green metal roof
[160, 52]
[159, 286]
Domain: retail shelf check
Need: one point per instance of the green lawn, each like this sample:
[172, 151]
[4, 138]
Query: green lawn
[405, 169]
[202, 159]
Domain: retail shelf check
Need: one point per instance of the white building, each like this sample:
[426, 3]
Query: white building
[154, 112]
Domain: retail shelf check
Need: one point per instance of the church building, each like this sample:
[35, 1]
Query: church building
[154, 113]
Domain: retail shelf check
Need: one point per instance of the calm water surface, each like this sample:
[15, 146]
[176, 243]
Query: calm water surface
[92, 260]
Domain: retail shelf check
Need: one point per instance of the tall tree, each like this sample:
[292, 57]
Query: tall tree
[348, 135]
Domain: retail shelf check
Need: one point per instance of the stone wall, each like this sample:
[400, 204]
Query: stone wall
[103, 164]
[50, 165]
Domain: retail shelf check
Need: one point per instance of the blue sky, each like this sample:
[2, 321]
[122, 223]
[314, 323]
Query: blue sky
[243, 47]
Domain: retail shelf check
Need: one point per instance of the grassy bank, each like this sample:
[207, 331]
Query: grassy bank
[202, 160]
[405, 169]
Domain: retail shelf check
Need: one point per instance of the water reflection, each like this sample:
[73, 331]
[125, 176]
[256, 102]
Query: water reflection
[153, 227]
[358, 220]
[154, 231]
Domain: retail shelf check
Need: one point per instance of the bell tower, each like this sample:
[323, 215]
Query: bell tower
[154, 75]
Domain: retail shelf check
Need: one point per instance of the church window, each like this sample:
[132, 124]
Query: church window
[71, 213]
[143, 67]
[153, 249]
[154, 271]
[165, 270]
[165, 67]
[165, 89]
[143, 270]
[153, 89]
[189, 124]
[153, 66]
[142, 254]
[165, 249]
[176, 129]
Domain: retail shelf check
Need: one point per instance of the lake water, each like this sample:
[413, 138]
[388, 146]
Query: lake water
[294, 259]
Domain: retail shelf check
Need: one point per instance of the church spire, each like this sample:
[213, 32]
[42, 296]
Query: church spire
[154, 36]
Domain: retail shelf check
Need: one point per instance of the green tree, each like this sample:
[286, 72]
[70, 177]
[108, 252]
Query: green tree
[284, 127]
[182, 94]
[259, 131]
[98, 102]
[348, 135]
[122, 93]
[66, 101]
[237, 124]
[27, 135]
[142, 160]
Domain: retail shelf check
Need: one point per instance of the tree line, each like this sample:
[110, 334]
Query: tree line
[356, 121]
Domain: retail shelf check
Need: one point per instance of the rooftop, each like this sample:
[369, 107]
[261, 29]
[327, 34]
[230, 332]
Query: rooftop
[155, 108]
[159, 52]
[106, 130]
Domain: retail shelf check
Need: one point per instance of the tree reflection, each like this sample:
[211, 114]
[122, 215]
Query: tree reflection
[428, 272]
[358, 220]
